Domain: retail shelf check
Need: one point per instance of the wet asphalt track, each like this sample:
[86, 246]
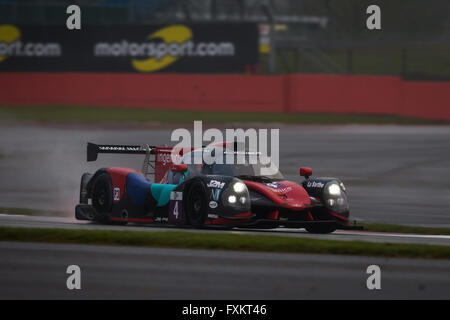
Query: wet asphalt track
[30, 271]
[394, 174]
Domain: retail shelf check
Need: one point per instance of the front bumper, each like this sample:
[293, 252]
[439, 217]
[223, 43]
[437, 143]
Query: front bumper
[269, 223]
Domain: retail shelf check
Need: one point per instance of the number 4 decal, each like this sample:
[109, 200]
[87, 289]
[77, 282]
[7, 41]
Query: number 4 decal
[176, 203]
[175, 210]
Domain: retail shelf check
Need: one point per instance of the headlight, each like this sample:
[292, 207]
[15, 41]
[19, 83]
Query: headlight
[335, 197]
[334, 189]
[232, 199]
[239, 187]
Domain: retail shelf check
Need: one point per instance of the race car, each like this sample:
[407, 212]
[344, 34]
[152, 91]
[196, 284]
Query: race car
[209, 194]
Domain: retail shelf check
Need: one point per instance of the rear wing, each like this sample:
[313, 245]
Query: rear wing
[94, 149]
[157, 159]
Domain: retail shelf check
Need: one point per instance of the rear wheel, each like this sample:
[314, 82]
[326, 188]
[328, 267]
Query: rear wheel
[196, 205]
[102, 199]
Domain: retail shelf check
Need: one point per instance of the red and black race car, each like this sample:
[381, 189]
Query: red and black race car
[209, 194]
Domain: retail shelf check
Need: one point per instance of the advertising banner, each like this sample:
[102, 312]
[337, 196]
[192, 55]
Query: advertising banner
[197, 48]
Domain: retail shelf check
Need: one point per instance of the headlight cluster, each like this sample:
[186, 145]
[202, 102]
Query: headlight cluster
[335, 197]
[237, 194]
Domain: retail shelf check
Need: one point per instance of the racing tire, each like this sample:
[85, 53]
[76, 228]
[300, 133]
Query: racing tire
[321, 228]
[196, 206]
[102, 197]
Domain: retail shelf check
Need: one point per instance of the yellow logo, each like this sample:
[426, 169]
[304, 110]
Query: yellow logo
[173, 35]
[8, 34]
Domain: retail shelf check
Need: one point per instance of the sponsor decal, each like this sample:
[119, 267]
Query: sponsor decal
[215, 184]
[282, 190]
[116, 194]
[182, 48]
[275, 185]
[215, 194]
[278, 187]
[161, 219]
[162, 162]
[213, 216]
[213, 204]
[153, 54]
[11, 45]
[119, 148]
[176, 195]
[314, 184]
[164, 158]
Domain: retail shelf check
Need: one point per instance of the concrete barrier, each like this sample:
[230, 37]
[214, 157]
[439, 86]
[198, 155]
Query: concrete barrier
[280, 93]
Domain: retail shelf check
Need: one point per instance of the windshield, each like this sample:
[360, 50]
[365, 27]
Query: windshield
[263, 168]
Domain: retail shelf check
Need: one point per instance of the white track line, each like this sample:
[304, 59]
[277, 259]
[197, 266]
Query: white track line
[381, 234]
[39, 219]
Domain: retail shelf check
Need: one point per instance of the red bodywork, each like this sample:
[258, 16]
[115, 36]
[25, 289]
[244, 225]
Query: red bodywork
[119, 177]
[286, 194]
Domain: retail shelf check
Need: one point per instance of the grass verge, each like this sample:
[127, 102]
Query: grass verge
[179, 239]
[382, 227]
[30, 212]
[83, 114]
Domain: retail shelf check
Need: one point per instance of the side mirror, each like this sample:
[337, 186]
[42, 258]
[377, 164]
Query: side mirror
[305, 172]
[179, 167]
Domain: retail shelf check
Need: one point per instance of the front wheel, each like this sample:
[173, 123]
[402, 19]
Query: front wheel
[196, 205]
